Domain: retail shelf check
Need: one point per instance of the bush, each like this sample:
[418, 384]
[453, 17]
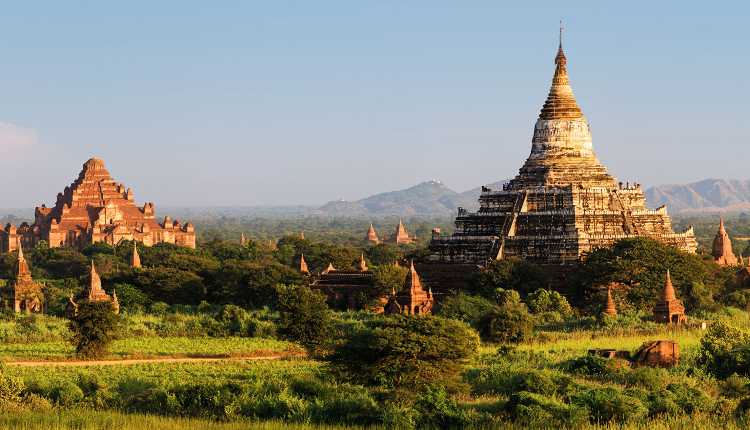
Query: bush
[11, 388]
[608, 404]
[591, 365]
[509, 323]
[304, 316]
[94, 327]
[66, 393]
[538, 411]
[438, 410]
[725, 350]
[542, 300]
[466, 308]
[402, 351]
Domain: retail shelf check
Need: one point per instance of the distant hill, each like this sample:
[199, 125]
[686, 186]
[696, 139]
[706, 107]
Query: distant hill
[708, 195]
[428, 199]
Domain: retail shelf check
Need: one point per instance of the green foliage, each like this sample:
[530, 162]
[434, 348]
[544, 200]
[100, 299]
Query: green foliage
[607, 404]
[507, 323]
[464, 307]
[725, 350]
[509, 274]
[131, 298]
[542, 300]
[438, 410]
[641, 264]
[94, 327]
[388, 278]
[384, 254]
[304, 316]
[402, 351]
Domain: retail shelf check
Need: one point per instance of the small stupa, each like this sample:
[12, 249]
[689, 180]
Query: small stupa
[722, 247]
[669, 309]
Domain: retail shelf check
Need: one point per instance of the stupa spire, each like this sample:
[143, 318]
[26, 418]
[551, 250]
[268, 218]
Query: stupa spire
[22, 267]
[362, 263]
[560, 103]
[668, 295]
[722, 247]
[303, 264]
[610, 308]
[135, 259]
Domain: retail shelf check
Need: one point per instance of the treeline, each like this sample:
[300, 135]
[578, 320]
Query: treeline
[218, 272]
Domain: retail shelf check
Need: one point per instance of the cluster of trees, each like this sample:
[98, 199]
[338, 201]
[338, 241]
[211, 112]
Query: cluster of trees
[218, 272]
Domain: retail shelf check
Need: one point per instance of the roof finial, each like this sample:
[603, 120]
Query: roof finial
[561, 32]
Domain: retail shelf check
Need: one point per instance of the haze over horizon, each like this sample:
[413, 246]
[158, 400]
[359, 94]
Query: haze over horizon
[283, 103]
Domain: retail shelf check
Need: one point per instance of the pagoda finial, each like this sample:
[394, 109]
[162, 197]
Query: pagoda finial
[561, 33]
[610, 308]
[135, 259]
[362, 263]
[668, 294]
[303, 264]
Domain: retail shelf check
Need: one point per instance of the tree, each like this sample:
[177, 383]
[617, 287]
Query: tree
[541, 301]
[640, 264]
[509, 274]
[383, 254]
[464, 307]
[388, 278]
[94, 327]
[304, 316]
[509, 322]
[401, 351]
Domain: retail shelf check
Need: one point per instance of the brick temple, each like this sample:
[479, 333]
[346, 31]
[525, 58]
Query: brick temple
[95, 208]
[563, 202]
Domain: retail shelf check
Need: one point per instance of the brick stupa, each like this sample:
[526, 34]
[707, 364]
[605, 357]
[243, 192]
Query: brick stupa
[401, 236]
[23, 294]
[722, 248]
[413, 299]
[372, 235]
[562, 204]
[669, 309]
[95, 208]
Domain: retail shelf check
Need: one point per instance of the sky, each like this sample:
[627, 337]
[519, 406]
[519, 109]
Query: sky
[195, 103]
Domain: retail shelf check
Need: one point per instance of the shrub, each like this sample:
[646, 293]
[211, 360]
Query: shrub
[206, 400]
[466, 308]
[509, 323]
[437, 409]
[542, 300]
[94, 327]
[538, 411]
[608, 404]
[304, 316]
[159, 308]
[736, 386]
[11, 388]
[66, 393]
[346, 405]
[725, 350]
[405, 351]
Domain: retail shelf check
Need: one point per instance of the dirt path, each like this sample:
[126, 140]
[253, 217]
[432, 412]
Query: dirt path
[129, 361]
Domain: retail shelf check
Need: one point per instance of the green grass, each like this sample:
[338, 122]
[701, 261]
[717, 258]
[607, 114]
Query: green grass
[153, 347]
[171, 374]
[80, 419]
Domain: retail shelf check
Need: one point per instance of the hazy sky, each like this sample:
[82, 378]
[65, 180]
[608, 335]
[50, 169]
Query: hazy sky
[274, 102]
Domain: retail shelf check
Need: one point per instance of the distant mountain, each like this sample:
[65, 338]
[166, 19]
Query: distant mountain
[708, 195]
[428, 199]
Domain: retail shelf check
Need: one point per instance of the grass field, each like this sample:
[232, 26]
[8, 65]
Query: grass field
[83, 419]
[153, 347]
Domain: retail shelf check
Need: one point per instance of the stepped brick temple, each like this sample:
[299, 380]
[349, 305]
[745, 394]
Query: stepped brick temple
[23, 294]
[343, 288]
[95, 208]
[722, 248]
[563, 202]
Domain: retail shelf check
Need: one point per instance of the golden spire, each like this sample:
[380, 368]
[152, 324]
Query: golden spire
[362, 263]
[330, 268]
[560, 103]
[303, 264]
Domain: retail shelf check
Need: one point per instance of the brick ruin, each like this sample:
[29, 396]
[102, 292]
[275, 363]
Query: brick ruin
[93, 293]
[563, 202]
[95, 208]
